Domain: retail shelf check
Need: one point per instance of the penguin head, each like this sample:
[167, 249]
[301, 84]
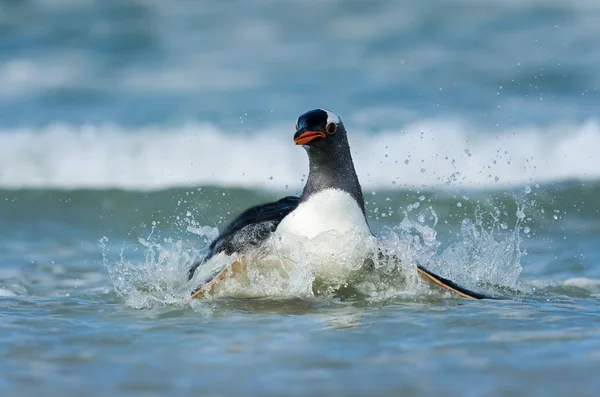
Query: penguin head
[319, 128]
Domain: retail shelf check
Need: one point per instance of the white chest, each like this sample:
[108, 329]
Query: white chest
[329, 210]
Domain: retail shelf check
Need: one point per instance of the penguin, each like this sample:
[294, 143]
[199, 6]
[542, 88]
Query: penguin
[332, 200]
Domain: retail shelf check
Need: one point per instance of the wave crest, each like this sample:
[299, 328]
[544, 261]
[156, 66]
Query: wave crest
[434, 153]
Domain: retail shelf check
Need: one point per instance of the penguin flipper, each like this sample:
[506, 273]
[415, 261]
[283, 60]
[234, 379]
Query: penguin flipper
[248, 230]
[236, 269]
[451, 285]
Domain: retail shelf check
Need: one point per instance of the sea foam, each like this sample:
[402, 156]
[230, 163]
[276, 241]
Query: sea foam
[431, 153]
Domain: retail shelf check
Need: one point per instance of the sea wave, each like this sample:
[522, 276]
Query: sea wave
[141, 62]
[429, 153]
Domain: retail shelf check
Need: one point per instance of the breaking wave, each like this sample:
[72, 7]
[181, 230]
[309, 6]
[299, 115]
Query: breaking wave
[434, 153]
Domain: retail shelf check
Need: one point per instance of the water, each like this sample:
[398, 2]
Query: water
[474, 130]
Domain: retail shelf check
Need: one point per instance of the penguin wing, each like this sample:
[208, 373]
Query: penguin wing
[248, 230]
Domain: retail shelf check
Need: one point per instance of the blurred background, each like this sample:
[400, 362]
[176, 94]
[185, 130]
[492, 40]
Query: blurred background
[150, 94]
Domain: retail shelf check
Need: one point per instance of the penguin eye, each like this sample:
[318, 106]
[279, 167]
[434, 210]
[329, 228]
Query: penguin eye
[330, 128]
[296, 126]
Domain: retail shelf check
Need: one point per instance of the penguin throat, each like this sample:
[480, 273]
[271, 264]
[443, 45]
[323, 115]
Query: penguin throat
[332, 171]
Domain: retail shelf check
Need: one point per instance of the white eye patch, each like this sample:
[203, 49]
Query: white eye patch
[331, 117]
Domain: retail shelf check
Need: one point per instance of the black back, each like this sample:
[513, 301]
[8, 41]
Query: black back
[250, 229]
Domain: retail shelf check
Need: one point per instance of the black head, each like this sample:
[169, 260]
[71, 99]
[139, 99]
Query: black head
[317, 128]
[323, 135]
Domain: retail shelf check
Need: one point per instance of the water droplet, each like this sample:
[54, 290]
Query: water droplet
[421, 198]
[459, 204]
[527, 189]
[423, 170]
[406, 161]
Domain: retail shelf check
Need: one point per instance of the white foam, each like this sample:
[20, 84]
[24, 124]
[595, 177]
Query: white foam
[290, 267]
[328, 265]
[22, 77]
[6, 292]
[431, 152]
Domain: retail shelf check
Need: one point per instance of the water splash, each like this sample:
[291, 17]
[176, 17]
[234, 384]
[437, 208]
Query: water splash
[161, 279]
[381, 267]
[481, 258]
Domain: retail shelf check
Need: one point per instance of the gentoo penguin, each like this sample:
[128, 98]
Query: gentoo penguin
[332, 200]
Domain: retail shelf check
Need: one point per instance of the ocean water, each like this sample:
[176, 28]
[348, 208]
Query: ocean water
[131, 132]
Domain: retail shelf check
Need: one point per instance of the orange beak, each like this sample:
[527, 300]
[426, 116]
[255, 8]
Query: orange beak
[308, 136]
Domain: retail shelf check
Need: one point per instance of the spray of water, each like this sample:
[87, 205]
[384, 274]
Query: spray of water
[485, 258]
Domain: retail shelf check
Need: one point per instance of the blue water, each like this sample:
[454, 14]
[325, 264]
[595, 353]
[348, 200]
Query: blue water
[130, 130]
[140, 63]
